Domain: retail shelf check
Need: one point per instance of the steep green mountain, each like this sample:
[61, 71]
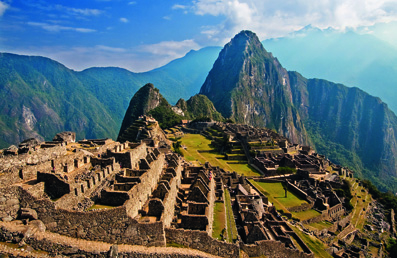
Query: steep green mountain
[250, 86]
[199, 106]
[348, 125]
[147, 101]
[360, 60]
[41, 97]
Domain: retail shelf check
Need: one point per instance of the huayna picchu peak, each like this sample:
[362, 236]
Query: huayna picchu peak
[348, 125]
[250, 86]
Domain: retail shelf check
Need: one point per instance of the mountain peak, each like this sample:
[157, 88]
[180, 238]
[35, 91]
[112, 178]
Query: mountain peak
[250, 86]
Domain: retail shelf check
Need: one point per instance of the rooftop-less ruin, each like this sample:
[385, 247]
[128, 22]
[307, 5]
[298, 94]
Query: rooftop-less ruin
[127, 197]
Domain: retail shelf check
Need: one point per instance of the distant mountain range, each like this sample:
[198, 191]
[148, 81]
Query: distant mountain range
[359, 60]
[41, 97]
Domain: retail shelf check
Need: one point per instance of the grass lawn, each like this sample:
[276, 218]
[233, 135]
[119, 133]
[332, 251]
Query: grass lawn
[231, 224]
[304, 215]
[321, 225]
[219, 220]
[317, 247]
[277, 192]
[198, 149]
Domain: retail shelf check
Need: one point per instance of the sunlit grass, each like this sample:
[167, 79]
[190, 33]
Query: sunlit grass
[219, 220]
[198, 149]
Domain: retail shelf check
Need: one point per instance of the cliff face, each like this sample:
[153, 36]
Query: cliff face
[250, 86]
[348, 125]
[360, 124]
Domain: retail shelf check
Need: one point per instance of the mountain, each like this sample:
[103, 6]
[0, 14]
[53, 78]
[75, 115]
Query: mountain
[250, 86]
[199, 106]
[41, 97]
[346, 124]
[348, 57]
[146, 101]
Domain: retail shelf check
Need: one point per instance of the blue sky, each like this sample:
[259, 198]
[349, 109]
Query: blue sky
[144, 34]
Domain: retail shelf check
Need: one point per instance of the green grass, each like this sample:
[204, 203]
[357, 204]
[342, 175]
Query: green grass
[277, 192]
[199, 149]
[321, 225]
[315, 245]
[219, 220]
[231, 224]
[304, 215]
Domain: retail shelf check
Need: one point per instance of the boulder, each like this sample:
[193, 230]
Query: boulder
[27, 213]
[38, 224]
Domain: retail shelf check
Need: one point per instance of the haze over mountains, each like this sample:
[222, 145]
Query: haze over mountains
[246, 83]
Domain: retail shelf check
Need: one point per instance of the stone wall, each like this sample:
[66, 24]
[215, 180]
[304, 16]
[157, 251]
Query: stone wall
[9, 203]
[211, 200]
[302, 207]
[140, 193]
[59, 245]
[201, 241]
[34, 157]
[107, 225]
[274, 249]
[169, 202]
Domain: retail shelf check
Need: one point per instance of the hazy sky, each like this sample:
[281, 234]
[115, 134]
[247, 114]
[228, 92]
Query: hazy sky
[143, 34]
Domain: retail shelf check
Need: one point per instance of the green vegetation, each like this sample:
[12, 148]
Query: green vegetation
[165, 116]
[304, 215]
[199, 108]
[317, 247]
[285, 170]
[391, 246]
[321, 225]
[177, 147]
[219, 225]
[231, 224]
[277, 193]
[387, 199]
[198, 148]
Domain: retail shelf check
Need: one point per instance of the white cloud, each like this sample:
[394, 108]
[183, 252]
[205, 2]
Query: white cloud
[132, 3]
[179, 6]
[269, 18]
[79, 11]
[124, 20]
[172, 49]
[58, 28]
[3, 8]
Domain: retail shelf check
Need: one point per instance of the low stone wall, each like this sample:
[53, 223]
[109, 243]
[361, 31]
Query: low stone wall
[201, 241]
[55, 244]
[301, 194]
[274, 249]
